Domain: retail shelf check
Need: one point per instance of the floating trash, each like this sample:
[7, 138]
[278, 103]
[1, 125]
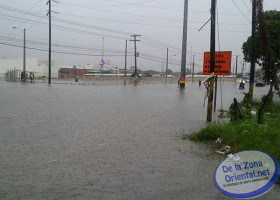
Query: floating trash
[224, 150]
[219, 140]
[220, 152]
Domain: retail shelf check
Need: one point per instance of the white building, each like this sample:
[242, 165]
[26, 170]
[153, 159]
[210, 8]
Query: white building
[40, 68]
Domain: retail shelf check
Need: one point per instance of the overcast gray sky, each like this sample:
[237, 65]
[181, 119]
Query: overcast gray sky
[80, 26]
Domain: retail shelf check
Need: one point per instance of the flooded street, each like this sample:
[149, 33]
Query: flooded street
[68, 141]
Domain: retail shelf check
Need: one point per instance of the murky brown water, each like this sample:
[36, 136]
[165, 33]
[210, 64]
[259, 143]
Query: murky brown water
[68, 141]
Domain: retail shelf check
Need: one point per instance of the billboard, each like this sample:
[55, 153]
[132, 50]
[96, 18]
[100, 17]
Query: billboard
[108, 62]
[222, 63]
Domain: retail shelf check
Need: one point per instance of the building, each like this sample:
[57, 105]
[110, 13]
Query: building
[73, 72]
[39, 68]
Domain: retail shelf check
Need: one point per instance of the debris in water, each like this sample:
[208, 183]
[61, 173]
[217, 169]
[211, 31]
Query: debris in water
[226, 148]
[220, 152]
[219, 140]
[253, 112]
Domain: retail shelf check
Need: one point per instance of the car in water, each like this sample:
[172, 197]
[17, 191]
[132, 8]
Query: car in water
[245, 79]
[260, 84]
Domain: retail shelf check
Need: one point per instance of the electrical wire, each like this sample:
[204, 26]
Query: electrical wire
[63, 27]
[114, 5]
[64, 21]
[45, 44]
[246, 6]
[233, 1]
[60, 52]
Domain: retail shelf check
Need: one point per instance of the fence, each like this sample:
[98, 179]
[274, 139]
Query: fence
[13, 75]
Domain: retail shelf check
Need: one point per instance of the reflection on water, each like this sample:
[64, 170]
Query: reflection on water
[68, 141]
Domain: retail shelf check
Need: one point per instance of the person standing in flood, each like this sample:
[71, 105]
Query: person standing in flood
[22, 76]
[199, 82]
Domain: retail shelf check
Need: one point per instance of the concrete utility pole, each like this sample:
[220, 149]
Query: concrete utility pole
[50, 41]
[243, 66]
[24, 54]
[193, 70]
[135, 52]
[212, 60]
[253, 55]
[103, 54]
[166, 63]
[236, 62]
[184, 46]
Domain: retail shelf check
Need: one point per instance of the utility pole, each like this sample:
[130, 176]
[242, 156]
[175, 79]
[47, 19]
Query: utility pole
[50, 36]
[184, 46]
[193, 70]
[135, 53]
[252, 70]
[212, 60]
[103, 48]
[216, 86]
[24, 55]
[50, 41]
[236, 69]
[243, 66]
[125, 57]
[166, 63]
[191, 62]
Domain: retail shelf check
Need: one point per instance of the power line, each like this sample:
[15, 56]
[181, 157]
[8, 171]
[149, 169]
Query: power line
[64, 21]
[114, 5]
[61, 52]
[63, 27]
[42, 42]
[233, 1]
[246, 6]
[130, 14]
[90, 26]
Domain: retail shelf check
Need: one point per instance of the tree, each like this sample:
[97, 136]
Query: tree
[267, 49]
[272, 25]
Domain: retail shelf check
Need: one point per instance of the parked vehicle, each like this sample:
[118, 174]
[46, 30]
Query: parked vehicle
[260, 84]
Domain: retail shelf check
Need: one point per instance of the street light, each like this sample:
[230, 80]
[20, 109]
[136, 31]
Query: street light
[24, 54]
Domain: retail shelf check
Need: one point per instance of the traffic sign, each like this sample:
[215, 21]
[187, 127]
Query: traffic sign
[222, 63]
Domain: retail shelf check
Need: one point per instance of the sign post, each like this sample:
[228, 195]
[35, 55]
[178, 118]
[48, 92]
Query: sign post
[222, 63]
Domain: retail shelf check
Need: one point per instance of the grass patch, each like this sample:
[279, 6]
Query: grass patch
[247, 133]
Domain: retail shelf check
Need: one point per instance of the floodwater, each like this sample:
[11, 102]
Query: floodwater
[69, 141]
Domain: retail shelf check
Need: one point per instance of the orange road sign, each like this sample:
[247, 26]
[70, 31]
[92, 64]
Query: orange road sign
[222, 63]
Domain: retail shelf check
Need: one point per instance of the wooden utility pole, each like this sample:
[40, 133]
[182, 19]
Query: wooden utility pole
[216, 86]
[135, 52]
[184, 46]
[212, 60]
[253, 55]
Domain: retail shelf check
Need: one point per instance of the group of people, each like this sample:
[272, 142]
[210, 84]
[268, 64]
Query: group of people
[24, 76]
